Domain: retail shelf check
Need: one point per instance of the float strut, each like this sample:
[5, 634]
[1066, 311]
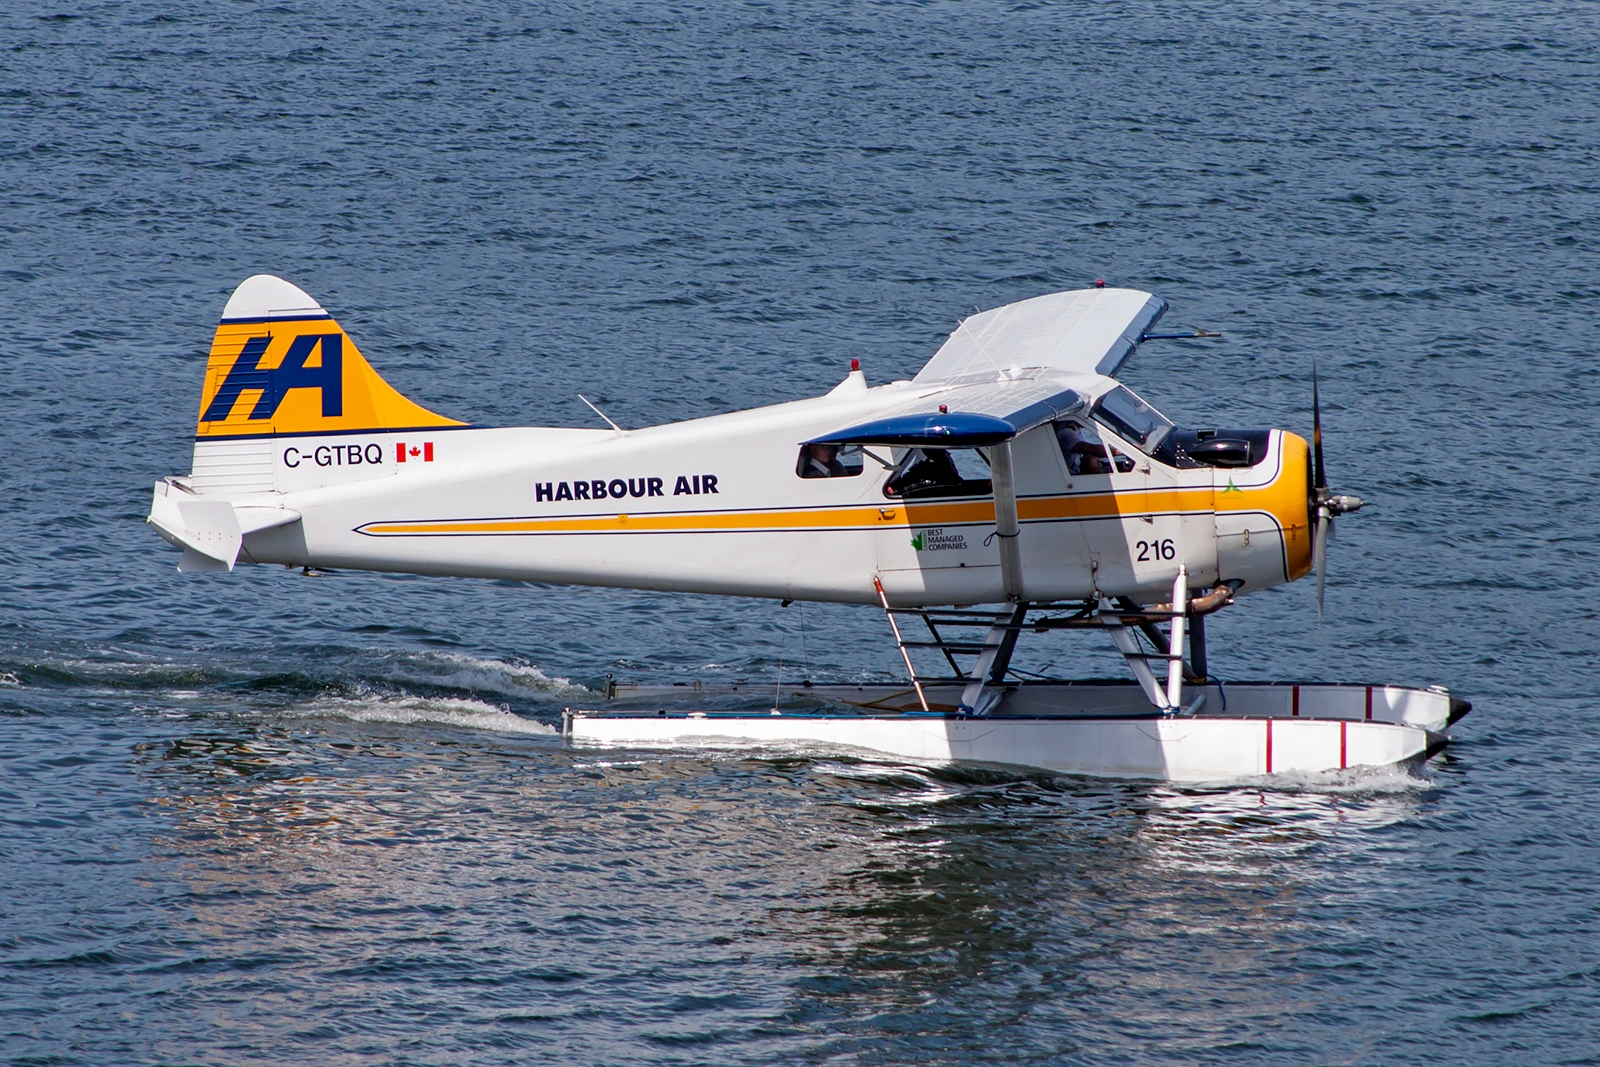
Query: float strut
[1128, 645]
[1180, 608]
[922, 698]
[983, 691]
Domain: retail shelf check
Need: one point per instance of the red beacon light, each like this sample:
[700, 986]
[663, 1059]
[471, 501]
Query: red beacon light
[944, 409]
[1099, 283]
[855, 365]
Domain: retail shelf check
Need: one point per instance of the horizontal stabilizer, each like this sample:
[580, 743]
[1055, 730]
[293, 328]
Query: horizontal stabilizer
[253, 518]
[1084, 331]
[209, 531]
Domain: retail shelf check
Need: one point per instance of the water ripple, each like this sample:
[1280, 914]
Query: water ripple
[259, 817]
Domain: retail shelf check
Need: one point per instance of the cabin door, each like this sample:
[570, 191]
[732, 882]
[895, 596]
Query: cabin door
[1140, 518]
[936, 542]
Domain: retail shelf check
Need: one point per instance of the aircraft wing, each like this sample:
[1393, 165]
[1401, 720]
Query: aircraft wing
[1084, 331]
[973, 415]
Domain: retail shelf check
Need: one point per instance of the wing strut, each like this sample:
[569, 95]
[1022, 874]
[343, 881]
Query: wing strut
[1006, 527]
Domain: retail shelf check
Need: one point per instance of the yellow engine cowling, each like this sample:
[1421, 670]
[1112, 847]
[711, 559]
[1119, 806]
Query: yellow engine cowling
[1264, 518]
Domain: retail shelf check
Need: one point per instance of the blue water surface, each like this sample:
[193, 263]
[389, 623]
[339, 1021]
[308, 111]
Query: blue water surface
[260, 818]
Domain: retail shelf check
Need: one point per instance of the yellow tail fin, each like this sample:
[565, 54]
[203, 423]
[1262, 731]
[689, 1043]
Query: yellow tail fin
[281, 365]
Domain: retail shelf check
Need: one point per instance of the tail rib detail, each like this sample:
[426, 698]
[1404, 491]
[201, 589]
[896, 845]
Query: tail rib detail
[280, 364]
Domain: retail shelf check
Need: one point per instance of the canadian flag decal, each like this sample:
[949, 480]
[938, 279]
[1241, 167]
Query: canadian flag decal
[403, 451]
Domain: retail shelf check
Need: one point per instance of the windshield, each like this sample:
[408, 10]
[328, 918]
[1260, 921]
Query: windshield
[1133, 419]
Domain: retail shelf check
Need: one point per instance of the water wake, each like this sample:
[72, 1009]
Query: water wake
[406, 709]
[454, 670]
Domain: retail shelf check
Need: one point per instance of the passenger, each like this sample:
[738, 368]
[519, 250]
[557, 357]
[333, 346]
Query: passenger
[821, 461]
[1083, 455]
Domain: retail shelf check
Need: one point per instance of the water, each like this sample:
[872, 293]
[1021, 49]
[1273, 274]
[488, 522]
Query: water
[261, 818]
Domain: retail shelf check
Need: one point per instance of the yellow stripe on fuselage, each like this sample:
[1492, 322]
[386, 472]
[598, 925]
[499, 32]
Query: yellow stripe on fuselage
[649, 522]
[1073, 508]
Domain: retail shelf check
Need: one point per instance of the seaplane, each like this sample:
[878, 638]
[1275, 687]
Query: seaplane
[1012, 487]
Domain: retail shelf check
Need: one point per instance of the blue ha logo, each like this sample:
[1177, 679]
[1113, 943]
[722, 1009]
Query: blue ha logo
[275, 383]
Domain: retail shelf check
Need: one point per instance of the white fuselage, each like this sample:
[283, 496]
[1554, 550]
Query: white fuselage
[715, 505]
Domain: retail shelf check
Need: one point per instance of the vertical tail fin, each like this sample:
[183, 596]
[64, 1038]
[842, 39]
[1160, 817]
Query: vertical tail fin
[280, 364]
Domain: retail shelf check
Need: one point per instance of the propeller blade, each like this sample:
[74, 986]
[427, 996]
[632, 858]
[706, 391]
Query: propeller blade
[1319, 553]
[1316, 435]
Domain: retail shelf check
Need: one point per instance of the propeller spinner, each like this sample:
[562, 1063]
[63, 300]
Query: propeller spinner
[1324, 501]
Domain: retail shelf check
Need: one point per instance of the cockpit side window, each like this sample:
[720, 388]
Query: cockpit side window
[927, 472]
[1135, 421]
[1084, 452]
[829, 461]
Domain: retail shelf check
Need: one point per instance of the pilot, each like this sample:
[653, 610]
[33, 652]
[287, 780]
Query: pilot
[822, 461]
[928, 469]
[1082, 455]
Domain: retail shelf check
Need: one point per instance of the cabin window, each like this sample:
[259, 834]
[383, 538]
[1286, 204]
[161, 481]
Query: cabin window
[926, 472]
[829, 461]
[1135, 421]
[1084, 452]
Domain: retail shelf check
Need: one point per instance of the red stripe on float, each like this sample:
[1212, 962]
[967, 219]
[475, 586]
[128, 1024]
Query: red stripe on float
[1269, 746]
[1296, 711]
[1343, 747]
[1369, 703]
